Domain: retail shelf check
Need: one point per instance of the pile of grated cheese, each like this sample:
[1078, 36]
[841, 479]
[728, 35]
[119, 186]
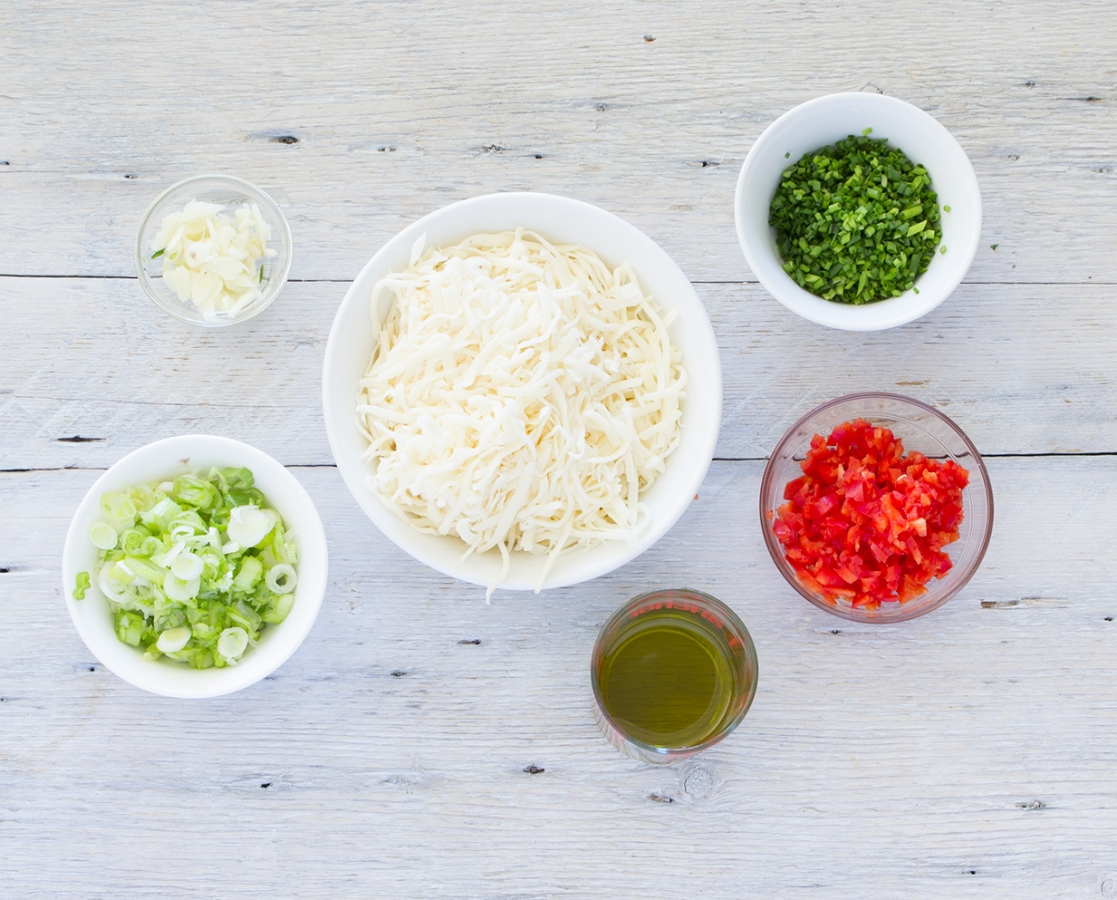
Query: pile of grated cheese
[521, 396]
[210, 260]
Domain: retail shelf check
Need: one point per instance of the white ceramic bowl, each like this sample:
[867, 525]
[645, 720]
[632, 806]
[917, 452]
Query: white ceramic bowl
[231, 193]
[566, 221]
[828, 119]
[166, 459]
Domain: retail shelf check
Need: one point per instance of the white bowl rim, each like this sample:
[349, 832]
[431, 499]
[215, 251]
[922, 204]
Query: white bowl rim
[702, 432]
[278, 642]
[885, 313]
[275, 284]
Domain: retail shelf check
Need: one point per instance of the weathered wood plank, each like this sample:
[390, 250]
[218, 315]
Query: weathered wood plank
[1023, 369]
[962, 741]
[400, 108]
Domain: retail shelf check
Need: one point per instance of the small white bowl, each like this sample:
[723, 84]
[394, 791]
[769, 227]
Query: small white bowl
[166, 459]
[562, 220]
[823, 121]
[231, 193]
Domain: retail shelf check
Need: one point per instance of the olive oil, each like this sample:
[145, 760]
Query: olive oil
[672, 670]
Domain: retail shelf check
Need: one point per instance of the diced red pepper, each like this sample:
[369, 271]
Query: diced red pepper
[866, 521]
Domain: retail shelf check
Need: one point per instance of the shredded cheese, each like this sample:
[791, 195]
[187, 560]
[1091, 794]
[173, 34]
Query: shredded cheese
[210, 260]
[521, 396]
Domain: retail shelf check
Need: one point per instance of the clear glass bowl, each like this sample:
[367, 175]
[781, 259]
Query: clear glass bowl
[723, 629]
[230, 192]
[921, 428]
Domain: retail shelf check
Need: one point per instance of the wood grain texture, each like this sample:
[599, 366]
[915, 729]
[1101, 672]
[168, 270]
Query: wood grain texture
[388, 758]
[399, 108]
[970, 753]
[1023, 369]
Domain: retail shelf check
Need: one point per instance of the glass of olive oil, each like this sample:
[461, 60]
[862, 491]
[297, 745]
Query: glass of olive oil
[673, 672]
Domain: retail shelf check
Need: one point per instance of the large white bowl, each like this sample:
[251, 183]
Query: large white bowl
[163, 460]
[828, 119]
[562, 220]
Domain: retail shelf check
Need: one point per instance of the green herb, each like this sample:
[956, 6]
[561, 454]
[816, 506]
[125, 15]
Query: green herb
[787, 155]
[994, 246]
[195, 567]
[81, 585]
[261, 274]
[856, 221]
[946, 209]
[157, 253]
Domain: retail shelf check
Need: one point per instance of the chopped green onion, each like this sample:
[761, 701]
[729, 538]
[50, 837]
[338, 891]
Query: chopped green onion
[249, 573]
[843, 217]
[946, 209]
[157, 253]
[232, 642]
[281, 579]
[103, 535]
[173, 639]
[993, 246]
[193, 569]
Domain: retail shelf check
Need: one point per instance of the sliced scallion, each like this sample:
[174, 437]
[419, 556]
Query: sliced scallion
[193, 568]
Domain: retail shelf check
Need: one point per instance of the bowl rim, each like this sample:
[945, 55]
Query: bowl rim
[883, 314]
[178, 451]
[176, 308]
[387, 522]
[775, 549]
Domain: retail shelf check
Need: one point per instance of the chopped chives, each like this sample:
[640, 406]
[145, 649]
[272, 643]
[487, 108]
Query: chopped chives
[856, 221]
[81, 585]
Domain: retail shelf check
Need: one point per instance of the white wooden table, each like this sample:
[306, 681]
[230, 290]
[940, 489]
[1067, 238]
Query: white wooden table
[421, 744]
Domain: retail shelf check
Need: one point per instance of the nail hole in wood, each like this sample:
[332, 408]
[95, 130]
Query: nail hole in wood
[534, 769]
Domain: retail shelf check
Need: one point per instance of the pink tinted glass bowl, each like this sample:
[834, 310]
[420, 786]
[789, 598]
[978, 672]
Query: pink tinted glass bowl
[921, 428]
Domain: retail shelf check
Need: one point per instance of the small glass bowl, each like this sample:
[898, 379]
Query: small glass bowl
[921, 428]
[231, 193]
[724, 628]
